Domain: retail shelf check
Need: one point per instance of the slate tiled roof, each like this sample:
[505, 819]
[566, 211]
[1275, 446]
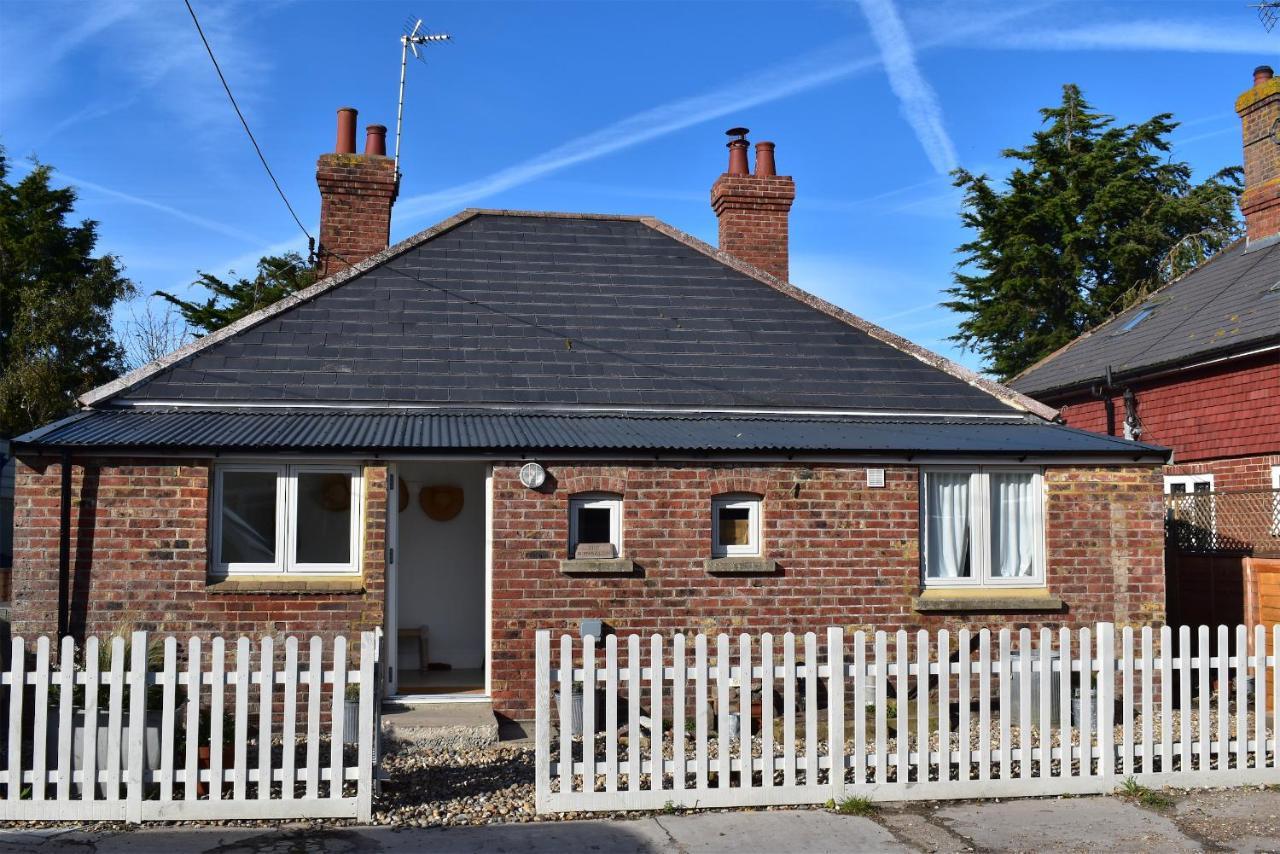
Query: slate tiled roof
[1231, 304]
[230, 430]
[561, 310]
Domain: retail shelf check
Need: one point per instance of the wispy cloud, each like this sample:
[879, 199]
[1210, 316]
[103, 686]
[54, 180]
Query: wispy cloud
[812, 71]
[823, 67]
[80, 184]
[1154, 35]
[54, 37]
[168, 210]
[141, 50]
[918, 100]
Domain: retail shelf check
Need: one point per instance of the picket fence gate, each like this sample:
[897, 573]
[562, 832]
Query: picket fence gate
[944, 717]
[264, 755]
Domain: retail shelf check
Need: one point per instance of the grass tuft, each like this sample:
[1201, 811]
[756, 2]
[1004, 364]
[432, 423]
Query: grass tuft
[853, 805]
[1148, 798]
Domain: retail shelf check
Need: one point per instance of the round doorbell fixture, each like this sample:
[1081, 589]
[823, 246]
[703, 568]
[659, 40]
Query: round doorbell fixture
[533, 475]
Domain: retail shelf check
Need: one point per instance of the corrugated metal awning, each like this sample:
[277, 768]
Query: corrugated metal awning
[312, 430]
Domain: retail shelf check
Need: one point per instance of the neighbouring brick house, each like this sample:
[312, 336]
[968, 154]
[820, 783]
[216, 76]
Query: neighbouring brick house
[515, 421]
[1195, 367]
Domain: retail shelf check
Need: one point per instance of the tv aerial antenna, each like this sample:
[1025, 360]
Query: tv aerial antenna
[414, 36]
[1268, 13]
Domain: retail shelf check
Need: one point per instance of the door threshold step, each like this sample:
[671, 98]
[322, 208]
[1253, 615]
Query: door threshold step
[440, 726]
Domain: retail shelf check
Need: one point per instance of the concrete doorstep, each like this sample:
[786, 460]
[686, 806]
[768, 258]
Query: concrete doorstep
[1222, 820]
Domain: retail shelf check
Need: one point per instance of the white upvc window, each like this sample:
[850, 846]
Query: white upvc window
[735, 526]
[595, 525]
[1181, 484]
[274, 518]
[983, 526]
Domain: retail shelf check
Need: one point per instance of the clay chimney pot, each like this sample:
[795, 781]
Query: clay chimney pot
[375, 141]
[346, 131]
[765, 167]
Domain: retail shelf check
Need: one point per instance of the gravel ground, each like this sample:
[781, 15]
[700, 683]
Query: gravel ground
[430, 788]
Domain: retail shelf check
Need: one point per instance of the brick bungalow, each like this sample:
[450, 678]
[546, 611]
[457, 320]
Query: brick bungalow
[515, 420]
[1196, 367]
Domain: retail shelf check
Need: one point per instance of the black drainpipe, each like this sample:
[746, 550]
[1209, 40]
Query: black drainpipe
[64, 548]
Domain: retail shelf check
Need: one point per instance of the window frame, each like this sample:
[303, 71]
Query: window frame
[610, 501]
[734, 501]
[286, 521]
[980, 530]
[1189, 481]
[352, 566]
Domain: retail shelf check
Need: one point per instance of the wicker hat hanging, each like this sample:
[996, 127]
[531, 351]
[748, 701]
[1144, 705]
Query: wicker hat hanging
[335, 493]
[402, 497]
[441, 502]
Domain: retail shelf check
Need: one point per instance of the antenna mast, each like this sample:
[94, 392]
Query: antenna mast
[409, 42]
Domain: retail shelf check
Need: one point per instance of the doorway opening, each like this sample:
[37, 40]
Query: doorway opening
[437, 592]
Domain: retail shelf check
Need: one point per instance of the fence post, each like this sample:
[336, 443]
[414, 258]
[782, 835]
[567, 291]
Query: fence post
[368, 728]
[542, 718]
[835, 711]
[137, 727]
[1106, 699]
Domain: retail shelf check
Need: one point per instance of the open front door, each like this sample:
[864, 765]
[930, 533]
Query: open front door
[390, 674]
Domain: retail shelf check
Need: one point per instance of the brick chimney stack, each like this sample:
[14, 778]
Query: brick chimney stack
[1259, 110]
[753, 209]
[356, 195]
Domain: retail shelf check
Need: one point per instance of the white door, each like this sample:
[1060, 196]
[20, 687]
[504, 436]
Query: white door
[391, 676]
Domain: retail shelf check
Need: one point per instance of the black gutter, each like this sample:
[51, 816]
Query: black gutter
[64, 547]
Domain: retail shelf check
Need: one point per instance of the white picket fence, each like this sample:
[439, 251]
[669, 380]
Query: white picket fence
[187, 734]
[895, 717]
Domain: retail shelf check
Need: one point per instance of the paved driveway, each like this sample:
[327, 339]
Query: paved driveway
[1226, 820]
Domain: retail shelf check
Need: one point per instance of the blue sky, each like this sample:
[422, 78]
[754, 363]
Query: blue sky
[615, 107]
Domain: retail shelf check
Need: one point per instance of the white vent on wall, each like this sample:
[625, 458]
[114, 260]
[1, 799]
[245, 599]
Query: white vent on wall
[875, 477]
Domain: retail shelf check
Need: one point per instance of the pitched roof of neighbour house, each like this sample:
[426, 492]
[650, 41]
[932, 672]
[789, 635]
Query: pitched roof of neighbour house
[503, 330]
[254, 429]
[1231, 305]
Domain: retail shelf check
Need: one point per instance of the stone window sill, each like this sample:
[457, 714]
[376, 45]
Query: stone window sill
[598, 566]
[742, 566]
[990, 600]
[315, 585]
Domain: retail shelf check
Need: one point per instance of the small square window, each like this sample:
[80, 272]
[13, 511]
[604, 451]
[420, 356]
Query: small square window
[735, 526]
[595, 526]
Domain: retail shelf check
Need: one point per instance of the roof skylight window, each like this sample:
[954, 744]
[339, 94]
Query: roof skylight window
[1136, 319]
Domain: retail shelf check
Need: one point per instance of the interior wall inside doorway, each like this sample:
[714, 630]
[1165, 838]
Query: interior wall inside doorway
[441, 567]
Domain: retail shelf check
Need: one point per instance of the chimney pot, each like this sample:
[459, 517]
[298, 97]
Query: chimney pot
[765, 167]
[753, 210]
[738, 152]
[346, 131]
[1259, 111]
[375, 141]
[356, 196]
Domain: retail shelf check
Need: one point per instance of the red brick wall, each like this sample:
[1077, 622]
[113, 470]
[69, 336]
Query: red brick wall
[849, 555]
[138, 557]
[1231, 409]
[356, 194]
[1259, 109]
[753, 212]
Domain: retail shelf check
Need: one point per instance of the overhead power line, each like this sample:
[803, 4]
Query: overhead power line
[236, 107]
